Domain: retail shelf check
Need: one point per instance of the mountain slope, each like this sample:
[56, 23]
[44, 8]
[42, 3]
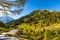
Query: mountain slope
[43, 17]
[6, 19]
[39, 25]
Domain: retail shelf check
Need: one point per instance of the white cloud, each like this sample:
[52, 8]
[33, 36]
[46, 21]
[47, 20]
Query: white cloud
[1, 7]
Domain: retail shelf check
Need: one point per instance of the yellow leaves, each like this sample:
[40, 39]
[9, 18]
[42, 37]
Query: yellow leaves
[32, 33]
[38, 32]
[56, 38]
[45, 35]
[54, 26]
[24, 30]
[37, 29]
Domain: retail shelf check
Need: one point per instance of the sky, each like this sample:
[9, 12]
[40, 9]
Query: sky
[32, 5]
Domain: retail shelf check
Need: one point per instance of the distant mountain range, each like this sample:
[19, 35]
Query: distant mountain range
[6, 19]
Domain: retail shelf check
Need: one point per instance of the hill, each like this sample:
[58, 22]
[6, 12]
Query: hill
[39, 18]
[39, 25]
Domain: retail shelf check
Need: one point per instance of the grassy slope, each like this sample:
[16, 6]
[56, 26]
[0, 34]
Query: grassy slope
[43, 25]
[39, 25]
[52, 31]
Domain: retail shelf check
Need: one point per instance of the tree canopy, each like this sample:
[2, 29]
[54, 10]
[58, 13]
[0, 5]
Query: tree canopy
[11, 6]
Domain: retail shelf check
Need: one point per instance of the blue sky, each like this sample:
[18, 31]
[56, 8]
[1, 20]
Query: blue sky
[32, 5]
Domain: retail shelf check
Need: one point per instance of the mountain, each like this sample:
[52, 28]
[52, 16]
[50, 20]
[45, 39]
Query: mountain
[43, 17]
[6, 19]
[39, 25]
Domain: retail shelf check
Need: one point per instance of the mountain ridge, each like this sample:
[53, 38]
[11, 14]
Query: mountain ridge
[6, 19]
[45, 17]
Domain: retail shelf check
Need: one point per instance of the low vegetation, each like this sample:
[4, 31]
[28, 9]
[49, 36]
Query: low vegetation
[38, 25]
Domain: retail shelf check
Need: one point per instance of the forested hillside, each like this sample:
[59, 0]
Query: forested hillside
[38, 25]
[41, 25]
[39, 18]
